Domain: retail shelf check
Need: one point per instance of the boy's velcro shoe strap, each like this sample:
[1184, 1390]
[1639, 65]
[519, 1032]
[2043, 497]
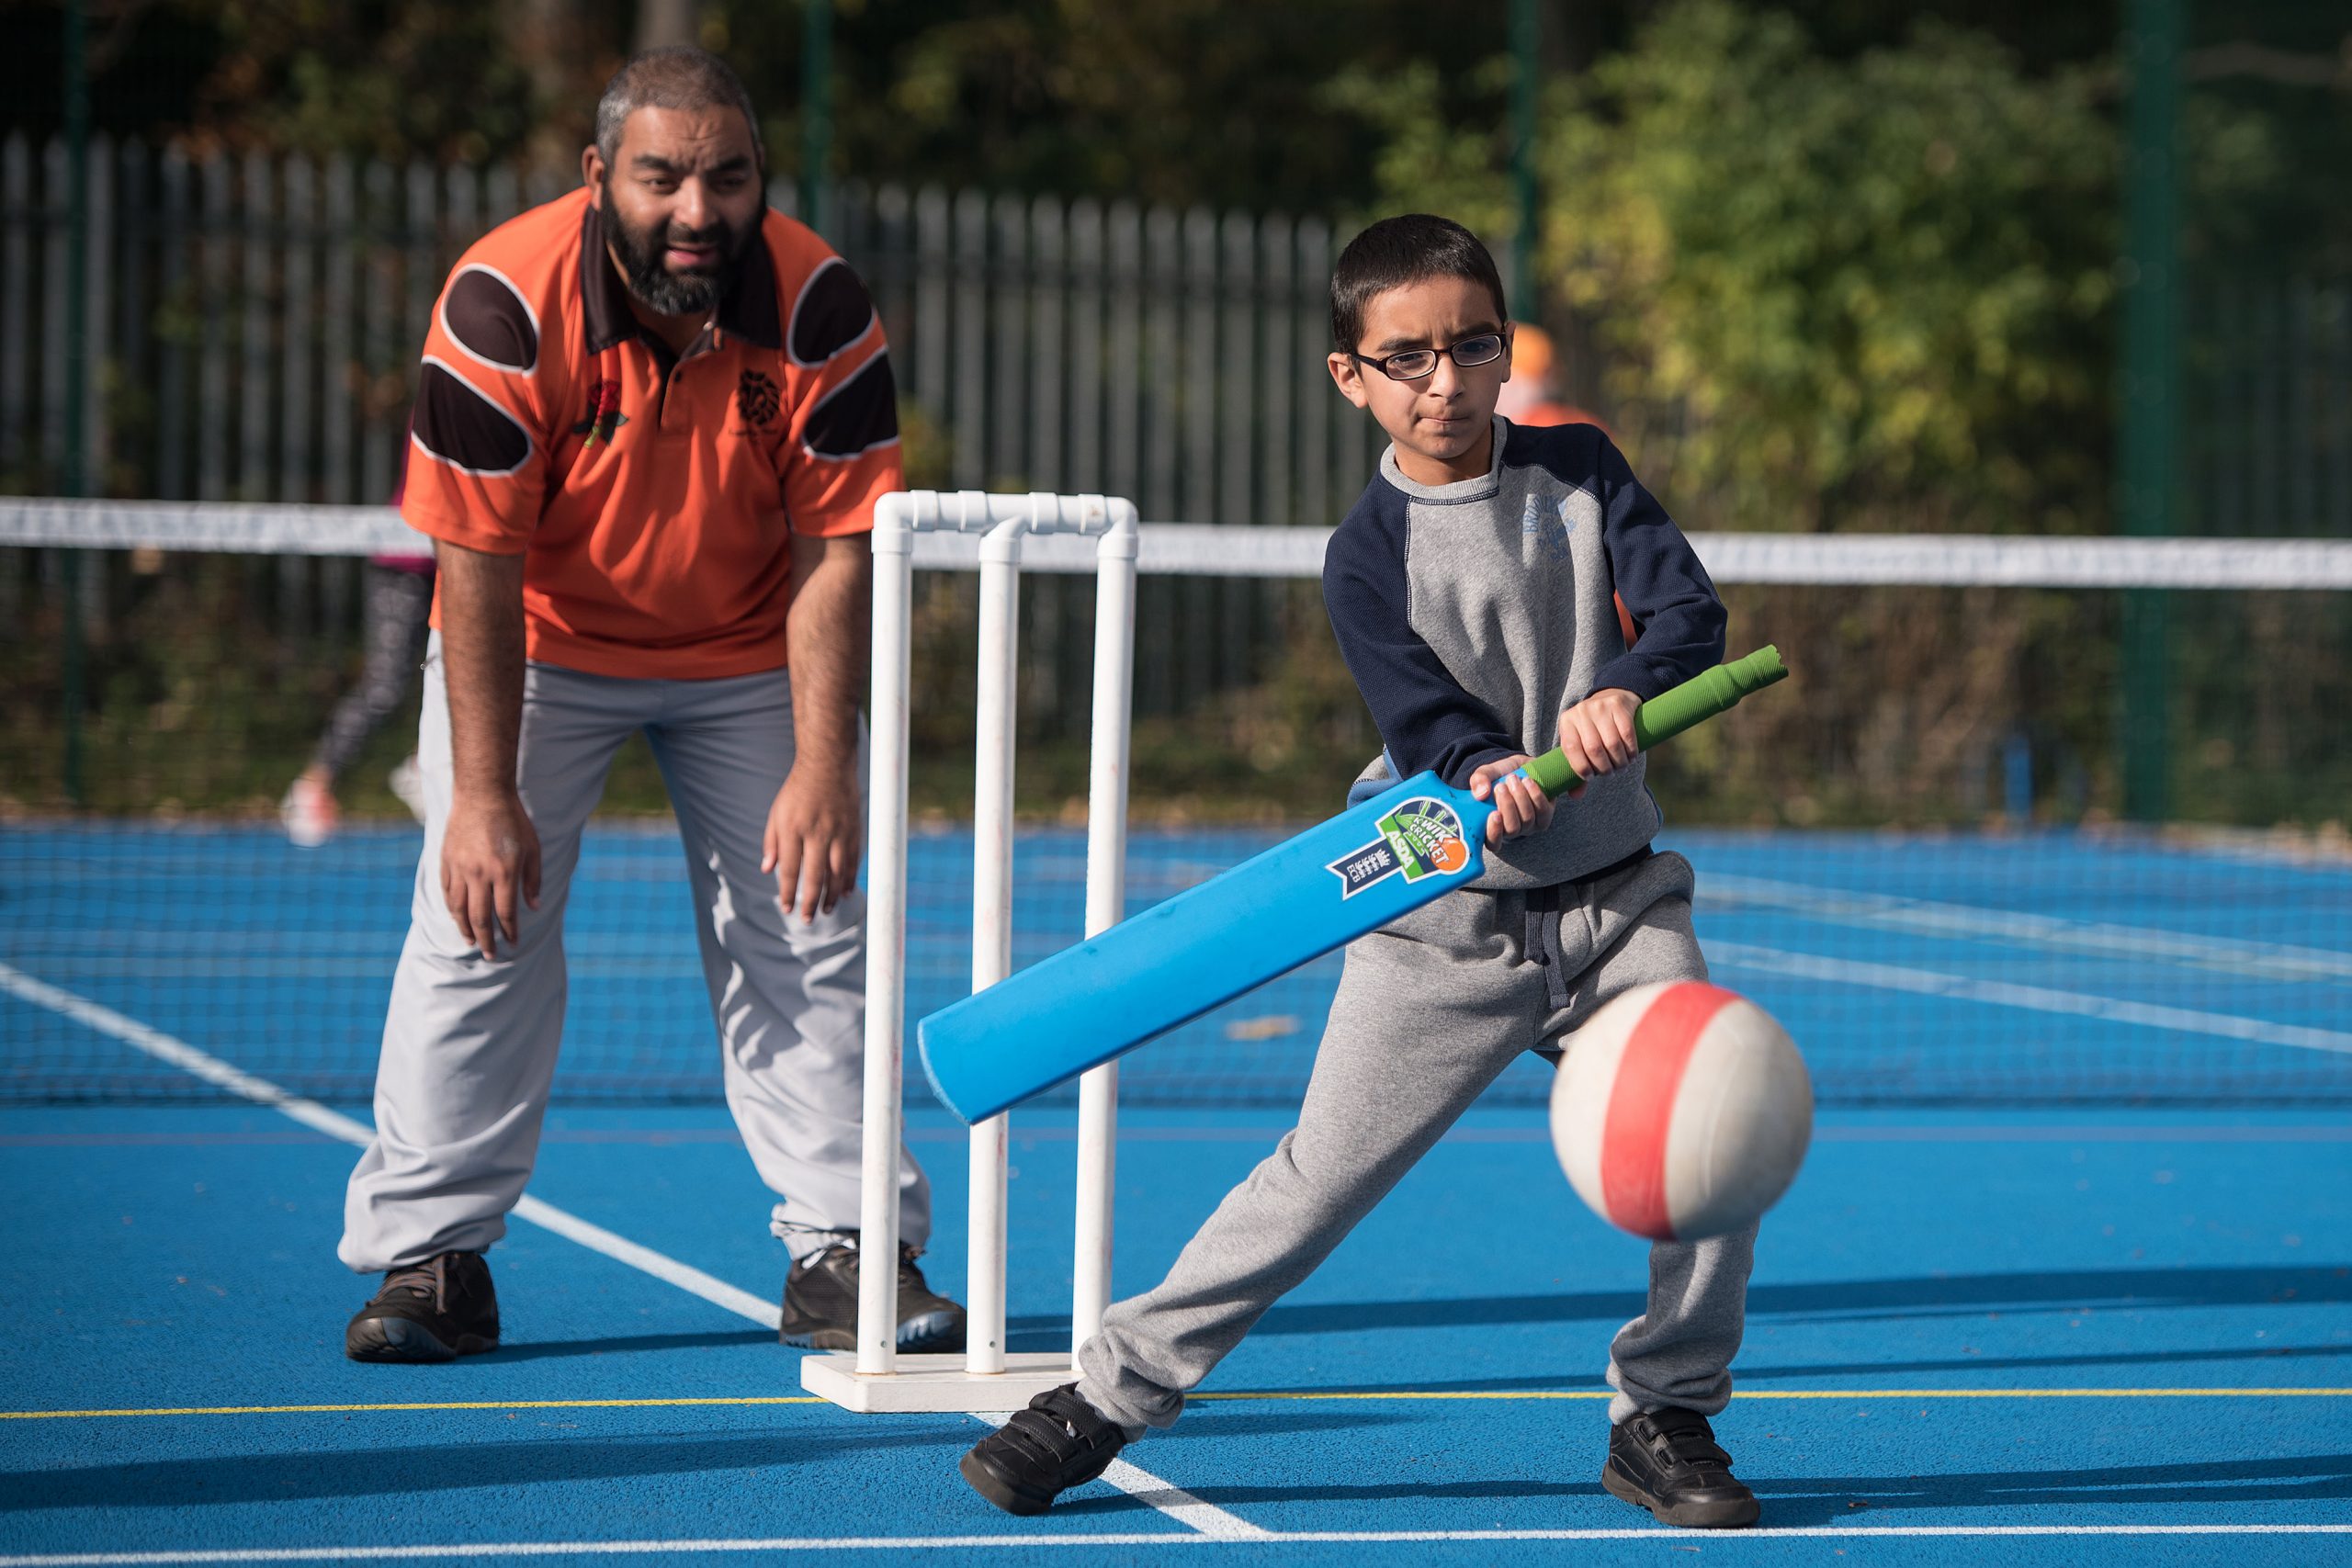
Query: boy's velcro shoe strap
[1060, 1441]
[1669, 1462]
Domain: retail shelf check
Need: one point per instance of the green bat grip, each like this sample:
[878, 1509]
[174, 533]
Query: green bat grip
[1671, 712]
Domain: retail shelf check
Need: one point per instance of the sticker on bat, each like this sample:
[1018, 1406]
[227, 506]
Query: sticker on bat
[1420, 837]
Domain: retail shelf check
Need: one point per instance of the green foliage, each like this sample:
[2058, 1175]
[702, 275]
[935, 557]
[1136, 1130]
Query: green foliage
[1827, 289]
[1870, 291]
[1176, 102]
[385, 78]
[1861, 284]
[1840, 270]
[1430, 158]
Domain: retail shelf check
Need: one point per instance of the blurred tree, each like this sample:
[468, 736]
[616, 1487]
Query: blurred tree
[1873, 290]
[385, 78]
[566, 48]
[1829, 290]
[667, 24]
[2282, 69]
[1847, 285]
[1183, 101]
[146, 61]
[1180, 101]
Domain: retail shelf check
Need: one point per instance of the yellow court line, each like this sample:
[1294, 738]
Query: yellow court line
[420, 1404]
[1340, 1394]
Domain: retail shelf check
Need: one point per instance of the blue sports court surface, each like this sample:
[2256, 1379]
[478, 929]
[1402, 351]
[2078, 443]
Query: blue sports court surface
[2066, 1278]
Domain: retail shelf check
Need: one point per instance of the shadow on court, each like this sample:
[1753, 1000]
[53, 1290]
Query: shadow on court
[1825, 1301]
[432, 1467]
[634, 1344]
[1838, 1300]
[1579, 1379]
[1821, 1500]
[2017, 1363]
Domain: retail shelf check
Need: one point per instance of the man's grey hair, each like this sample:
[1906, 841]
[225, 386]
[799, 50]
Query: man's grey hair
[678, 78]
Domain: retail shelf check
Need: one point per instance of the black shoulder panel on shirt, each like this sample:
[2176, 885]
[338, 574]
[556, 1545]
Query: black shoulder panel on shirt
[833, 312]
[464, 429]
[856, 416]
[488, 319]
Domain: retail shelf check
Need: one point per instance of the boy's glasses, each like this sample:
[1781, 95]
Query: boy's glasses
[1416, 362]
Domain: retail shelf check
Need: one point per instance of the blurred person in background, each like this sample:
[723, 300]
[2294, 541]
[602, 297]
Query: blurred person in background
[652, 422]
[1532, 396]
[398, 605]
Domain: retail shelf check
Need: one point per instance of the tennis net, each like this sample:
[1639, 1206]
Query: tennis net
[1919, 854]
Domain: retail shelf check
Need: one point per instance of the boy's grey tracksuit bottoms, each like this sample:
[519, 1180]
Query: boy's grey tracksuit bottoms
[1431, 1009]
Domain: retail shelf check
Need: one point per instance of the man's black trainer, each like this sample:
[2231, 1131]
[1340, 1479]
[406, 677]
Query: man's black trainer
[820, 1304]
[1668, 1462]
[1057, 1443]
[435, 1310]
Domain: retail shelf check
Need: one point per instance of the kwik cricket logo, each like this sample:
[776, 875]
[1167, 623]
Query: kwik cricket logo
[1421, 838]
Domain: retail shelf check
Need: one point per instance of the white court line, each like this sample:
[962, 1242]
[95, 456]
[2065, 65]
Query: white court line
[1212, 1522]
[311, 1114]
[2036, 999]
[2263, 960]
[1680, 1541]
[1141, 1484]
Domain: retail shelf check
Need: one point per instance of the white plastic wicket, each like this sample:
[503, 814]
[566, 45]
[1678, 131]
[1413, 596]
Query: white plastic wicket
[986, 1378]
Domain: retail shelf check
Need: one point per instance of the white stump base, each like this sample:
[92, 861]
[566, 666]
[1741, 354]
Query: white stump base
[936, 1383]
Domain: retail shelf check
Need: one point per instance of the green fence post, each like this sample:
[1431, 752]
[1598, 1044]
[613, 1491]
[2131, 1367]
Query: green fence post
[2148, 455]
[816, 107]
[73, 478]
[1526, 39]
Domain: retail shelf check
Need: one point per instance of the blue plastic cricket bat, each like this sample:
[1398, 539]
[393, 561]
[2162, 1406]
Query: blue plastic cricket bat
[1266, 917]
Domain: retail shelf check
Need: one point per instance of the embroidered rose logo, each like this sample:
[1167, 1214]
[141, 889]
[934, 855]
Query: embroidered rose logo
[604, 414]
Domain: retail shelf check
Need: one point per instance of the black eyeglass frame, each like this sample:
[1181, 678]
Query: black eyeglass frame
[1451, 351]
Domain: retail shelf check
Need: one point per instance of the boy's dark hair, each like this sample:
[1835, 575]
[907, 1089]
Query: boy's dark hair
[1398, 250]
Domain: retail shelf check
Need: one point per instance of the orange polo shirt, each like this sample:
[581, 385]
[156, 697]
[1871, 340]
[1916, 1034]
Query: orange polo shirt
[654, 500]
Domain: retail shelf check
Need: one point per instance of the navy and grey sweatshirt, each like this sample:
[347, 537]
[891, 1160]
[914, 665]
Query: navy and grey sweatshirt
[1472, 614]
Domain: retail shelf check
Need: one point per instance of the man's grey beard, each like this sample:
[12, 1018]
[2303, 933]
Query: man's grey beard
[658, 288]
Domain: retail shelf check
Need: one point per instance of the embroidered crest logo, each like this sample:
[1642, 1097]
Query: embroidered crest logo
[756, 399]
[1549, 525]
[604, 414]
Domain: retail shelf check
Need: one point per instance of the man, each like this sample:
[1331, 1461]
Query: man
[652, 425]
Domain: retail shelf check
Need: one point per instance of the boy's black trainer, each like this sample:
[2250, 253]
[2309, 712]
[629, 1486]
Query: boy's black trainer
[1057, 1443]
[435, 1310]
[820, 1304]
[1668, 1462]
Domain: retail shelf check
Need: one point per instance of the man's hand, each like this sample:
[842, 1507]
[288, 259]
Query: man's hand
[489, 867]
[1596, 735]
[489, 851]
[1521, 806]
[816, 828]
[816, 831]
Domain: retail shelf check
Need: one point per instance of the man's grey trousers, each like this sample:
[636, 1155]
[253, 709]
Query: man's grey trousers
[469, 1044]
[1429, 1010]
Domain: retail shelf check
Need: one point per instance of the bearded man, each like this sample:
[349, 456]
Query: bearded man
[651, 424]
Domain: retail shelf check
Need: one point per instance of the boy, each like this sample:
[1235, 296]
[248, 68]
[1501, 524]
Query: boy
[1475, 592]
